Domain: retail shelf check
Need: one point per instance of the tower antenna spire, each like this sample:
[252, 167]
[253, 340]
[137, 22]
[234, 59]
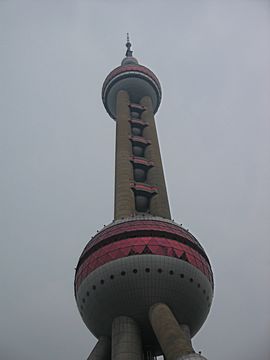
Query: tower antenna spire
[128, 45]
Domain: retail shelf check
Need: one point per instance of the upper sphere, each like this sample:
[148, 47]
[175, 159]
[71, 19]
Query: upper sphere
[134, 78]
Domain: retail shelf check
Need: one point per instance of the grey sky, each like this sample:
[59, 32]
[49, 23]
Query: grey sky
[212, 58]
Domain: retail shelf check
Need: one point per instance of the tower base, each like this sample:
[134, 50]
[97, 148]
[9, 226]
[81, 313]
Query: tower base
[126, 343]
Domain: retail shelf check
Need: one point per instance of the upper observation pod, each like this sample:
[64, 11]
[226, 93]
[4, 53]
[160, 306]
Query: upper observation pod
[134, 78]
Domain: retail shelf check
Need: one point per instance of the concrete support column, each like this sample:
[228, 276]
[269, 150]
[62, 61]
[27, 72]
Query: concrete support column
[186, 330]
[126, 339]
[159, 205]
[124, 204]
[171, 337]
[102, 350]
[193, 356]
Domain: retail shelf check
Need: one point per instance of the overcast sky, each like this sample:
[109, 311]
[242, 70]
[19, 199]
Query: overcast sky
[57, 158]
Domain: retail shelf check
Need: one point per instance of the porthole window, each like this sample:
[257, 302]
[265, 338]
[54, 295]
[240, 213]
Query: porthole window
[160, 271]
[198, 285]
[147, 270]
[94, 287]
[83, 300]
[171, 272]
[123, 273]
[182, 276]
[204, 291]
[135, 271]
[102, 282]
[112, 277]
[191, 280]
[87, 293]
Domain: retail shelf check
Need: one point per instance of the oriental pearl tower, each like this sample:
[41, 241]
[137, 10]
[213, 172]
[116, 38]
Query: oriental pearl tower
[143, 283]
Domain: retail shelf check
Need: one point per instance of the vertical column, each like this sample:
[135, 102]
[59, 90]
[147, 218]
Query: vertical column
[126, 339]
[186, 330]
[172, 339]
[159, 205]
[102, 350]
[124, 198]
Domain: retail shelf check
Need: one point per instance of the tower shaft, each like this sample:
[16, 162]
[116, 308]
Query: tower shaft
[159, 204]
[124, 205]
[139, 179]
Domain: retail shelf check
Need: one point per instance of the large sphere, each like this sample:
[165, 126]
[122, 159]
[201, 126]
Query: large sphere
[134, 263]
[136, 79]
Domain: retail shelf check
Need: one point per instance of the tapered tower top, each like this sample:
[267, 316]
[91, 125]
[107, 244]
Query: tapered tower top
[129, 59]
[137, 79]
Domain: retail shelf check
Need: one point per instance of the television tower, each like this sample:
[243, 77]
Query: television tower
[143, 284]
